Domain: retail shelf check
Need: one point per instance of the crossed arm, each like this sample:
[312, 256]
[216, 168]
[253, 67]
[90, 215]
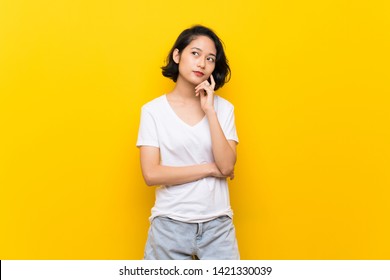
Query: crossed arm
[224, 151]
[156, 174]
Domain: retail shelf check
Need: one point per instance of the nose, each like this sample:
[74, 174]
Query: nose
[201, 63]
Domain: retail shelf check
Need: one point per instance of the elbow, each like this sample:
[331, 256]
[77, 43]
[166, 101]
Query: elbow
[149, 183]
[152, 176]
[227, 170]
[149, 180]
[227, 167]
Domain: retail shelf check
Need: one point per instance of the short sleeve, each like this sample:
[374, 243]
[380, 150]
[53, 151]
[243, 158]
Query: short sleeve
[147, 133]
[229, 127]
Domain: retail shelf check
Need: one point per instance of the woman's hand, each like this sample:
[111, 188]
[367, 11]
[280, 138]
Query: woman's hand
[215, 172]
[206, 92]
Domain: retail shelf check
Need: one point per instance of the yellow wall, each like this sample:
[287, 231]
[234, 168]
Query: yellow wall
[311, 88]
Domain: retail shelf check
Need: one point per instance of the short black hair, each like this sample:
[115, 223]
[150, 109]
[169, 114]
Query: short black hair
[221, 72]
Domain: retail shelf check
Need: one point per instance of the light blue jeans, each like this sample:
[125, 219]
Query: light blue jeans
[169, 239]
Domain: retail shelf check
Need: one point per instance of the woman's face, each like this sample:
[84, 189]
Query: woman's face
[197, 60]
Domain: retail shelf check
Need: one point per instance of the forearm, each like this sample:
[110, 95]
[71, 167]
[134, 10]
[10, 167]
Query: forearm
[171, 175]
[224, 155]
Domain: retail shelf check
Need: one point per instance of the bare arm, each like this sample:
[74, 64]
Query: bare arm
[156, 174]
[224, 151]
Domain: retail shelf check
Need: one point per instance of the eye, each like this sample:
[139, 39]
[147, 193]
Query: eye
[211, 59]
[195, 53]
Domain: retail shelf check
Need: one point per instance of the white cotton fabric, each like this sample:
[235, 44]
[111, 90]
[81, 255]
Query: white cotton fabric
[181, 145]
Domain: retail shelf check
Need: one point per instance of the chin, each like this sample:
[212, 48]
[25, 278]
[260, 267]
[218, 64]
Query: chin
[201, 79]
[196, 81]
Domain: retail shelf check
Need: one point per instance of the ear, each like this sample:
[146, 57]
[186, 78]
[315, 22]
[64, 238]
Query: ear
[176, 56]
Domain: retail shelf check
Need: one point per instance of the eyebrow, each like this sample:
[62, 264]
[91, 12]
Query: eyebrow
[202, 51]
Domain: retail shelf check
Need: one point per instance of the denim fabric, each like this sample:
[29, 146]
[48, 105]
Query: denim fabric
[169, 239]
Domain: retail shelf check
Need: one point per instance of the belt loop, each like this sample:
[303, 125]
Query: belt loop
[200, 229]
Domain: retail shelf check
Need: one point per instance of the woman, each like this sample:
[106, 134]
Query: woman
[187, 140]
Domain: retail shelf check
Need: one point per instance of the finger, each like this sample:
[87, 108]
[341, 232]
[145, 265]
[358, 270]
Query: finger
[200, 92]
[206, 87]
[203, 84]
[200, 88]
[212, 80]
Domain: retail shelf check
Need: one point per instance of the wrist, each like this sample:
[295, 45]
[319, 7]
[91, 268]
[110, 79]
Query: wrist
[210, 169]
[210, 111]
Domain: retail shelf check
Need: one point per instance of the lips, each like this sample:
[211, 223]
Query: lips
[198, 73]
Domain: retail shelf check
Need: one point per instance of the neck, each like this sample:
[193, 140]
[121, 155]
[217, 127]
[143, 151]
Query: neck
[184, 90]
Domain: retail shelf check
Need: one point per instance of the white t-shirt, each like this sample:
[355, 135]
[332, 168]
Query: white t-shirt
[181, 145]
